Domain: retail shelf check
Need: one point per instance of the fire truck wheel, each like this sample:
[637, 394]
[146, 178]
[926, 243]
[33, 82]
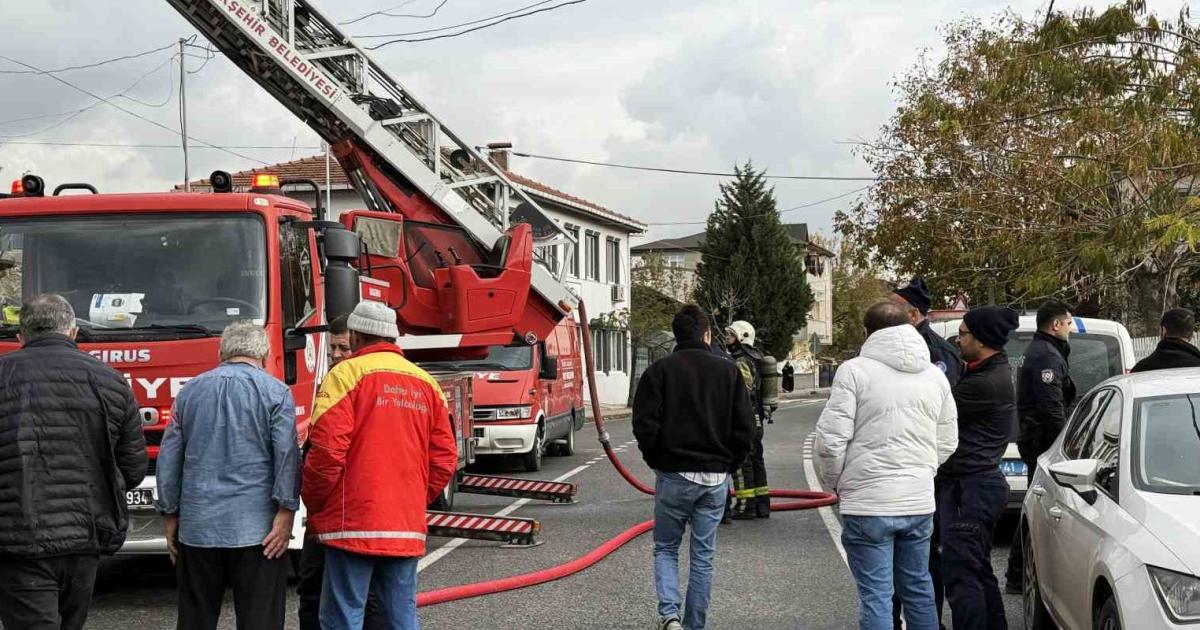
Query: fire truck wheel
[566, 447]
[445, 500]
[533, 459]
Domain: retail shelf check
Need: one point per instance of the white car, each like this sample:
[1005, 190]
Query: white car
[1100, 349]
[1111, 524]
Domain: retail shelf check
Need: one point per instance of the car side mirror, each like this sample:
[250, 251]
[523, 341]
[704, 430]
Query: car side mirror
[1078, 475]
[549, 368]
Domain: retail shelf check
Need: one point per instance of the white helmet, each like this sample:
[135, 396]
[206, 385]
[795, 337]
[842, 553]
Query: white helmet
[742, 331]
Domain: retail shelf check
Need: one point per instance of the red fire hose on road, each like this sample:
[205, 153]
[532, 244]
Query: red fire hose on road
[807, 500]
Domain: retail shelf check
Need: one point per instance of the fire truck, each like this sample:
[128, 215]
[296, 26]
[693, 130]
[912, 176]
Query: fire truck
[445, 239]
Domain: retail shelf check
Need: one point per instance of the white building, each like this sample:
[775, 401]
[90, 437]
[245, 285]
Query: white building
[684, 253]
[597, 269]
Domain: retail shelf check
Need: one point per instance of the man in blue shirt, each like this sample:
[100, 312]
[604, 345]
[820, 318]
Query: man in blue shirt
[228, 487]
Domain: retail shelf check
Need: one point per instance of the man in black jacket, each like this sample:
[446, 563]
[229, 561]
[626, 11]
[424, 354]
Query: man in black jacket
[63, 508]
[694, 425]
[971, 490]
[1045, 393]
[917, 300]
[1176, 349]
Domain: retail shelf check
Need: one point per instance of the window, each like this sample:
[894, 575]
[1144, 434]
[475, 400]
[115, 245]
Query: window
[1104, 442]
[295, 274]
[1079, 431]
[591, 255]
[1166, 444]
[548, 256]
[673, 260]
[613, 253]
[1094, 357]
[572, 254]
[611, 350]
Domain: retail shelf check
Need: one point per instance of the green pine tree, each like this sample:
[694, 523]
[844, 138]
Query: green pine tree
[749, 268]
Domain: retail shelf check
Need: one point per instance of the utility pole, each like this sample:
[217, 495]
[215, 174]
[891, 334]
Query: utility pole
[183, 134]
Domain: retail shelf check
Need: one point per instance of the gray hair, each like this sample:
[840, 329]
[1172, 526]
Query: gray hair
[46, 314]
[244, 339]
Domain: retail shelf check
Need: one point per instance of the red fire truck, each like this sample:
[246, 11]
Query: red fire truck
[445, 239]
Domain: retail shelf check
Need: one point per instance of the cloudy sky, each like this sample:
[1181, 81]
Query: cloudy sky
[692, 84]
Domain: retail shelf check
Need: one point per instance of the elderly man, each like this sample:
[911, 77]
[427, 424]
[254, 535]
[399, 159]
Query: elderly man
[70, 444]
[380, 450]
[228, 486]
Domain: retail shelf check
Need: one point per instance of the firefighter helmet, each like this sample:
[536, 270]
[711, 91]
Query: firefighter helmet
[742, 331]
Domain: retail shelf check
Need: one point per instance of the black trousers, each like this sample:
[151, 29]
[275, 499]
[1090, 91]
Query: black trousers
[967, 511]
[308, 589]
[750, 481]
[47, 593]
[1014, 574]
[259, 587]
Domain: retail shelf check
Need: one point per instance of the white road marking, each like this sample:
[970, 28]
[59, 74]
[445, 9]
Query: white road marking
[831, 522]
[444, 550]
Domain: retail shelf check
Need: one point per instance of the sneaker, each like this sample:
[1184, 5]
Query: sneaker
[1012, 588]
[670, 624]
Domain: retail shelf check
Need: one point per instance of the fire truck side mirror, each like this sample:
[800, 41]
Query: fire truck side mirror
[342, 290]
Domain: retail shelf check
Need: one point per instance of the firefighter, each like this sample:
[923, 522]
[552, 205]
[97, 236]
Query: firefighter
[1045, 393]
[751, 493]
[917, 299]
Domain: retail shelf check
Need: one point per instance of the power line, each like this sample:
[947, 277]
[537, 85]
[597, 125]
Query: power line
[118, 145]
[454, 26]
[477, 28]
[127, 111]
[826, 178]
[90, 65]
[781, 212]
[383, 12]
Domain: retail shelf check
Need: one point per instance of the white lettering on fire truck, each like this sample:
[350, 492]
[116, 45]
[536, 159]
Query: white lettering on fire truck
[122, 356]
[153, 388]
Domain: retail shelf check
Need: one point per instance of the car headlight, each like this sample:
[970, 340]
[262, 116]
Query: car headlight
[512, 413]
[1179, 594]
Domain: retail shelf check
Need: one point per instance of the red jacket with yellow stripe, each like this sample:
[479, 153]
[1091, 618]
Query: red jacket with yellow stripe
[380, 450]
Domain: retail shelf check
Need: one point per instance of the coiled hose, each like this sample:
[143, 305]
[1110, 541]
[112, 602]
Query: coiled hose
[807, 500]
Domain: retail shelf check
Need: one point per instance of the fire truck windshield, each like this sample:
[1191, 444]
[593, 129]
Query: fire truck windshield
[157, 276]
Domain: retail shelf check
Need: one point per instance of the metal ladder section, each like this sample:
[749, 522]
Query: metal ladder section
[512, 530]
[554, 491]
[308, 64]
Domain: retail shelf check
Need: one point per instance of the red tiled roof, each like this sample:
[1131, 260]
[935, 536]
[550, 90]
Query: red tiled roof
[314, 168]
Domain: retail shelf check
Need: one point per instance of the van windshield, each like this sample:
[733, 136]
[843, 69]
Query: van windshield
[1094, 358]
[506, 358]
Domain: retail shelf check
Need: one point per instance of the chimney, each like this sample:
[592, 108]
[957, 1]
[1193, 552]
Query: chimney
[498, 152]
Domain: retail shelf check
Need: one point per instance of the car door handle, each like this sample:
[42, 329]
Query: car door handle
[1056, 513]
[1037, 491]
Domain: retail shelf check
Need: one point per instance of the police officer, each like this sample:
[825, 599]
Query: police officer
[751, 493]
[917, 299]
[971, 490]
[1045, 393]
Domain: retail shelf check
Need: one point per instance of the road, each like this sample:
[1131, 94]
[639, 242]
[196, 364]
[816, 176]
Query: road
[796, 577]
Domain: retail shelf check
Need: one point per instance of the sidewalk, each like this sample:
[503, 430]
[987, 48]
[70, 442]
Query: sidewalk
[611, 413]
[802, 393]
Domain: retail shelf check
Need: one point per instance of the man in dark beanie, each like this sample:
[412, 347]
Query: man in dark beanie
[971, 490]
[1176, 349]
[917, 300]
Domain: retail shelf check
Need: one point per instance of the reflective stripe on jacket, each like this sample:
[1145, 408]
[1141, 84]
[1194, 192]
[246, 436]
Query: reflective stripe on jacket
[381, 448]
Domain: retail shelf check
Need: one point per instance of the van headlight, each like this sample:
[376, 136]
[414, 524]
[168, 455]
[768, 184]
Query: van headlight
[1179, 594]
[513, 413]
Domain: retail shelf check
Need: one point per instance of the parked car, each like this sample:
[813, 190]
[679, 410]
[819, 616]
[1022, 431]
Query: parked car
[1100, 349]
[1111, 525]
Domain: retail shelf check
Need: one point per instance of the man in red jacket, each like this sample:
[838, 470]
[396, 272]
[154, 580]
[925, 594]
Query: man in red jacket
[381, 449]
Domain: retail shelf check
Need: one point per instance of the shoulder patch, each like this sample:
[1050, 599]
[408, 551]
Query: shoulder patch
[941, 366]
[1047, 376]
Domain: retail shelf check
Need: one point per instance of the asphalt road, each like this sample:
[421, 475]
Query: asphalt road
[784, 572]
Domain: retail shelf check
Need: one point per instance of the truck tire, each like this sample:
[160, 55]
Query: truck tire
[533, 459]
[445, 501]
[566, 447]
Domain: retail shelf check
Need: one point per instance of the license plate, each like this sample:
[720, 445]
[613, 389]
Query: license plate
[140, 498]
[1013, 468]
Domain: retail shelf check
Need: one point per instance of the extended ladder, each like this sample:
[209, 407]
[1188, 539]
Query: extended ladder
[326, 79]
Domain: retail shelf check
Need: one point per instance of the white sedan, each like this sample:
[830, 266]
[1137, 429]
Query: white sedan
[1111, 523]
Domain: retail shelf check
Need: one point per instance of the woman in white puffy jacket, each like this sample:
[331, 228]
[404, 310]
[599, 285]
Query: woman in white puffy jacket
[889, 423]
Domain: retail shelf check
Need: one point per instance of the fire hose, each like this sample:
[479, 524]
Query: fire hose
[806, 500]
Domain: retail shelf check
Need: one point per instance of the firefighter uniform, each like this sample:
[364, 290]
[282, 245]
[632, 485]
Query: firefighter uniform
[751, 492]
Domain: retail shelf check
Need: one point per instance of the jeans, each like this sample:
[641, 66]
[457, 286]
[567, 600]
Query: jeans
[887, 552]
[348, 578]
[47, 593]
[678, 502]
[308, 591]
[968, 508]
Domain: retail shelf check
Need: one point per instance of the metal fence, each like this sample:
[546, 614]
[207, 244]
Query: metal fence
[1143, 346]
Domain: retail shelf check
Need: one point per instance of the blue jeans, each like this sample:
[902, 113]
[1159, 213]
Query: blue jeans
[678, 502]
[891, 550]
[348, 578]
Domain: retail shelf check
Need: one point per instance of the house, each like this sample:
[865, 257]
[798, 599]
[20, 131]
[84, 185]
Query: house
[596, 269]
[684, 253]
